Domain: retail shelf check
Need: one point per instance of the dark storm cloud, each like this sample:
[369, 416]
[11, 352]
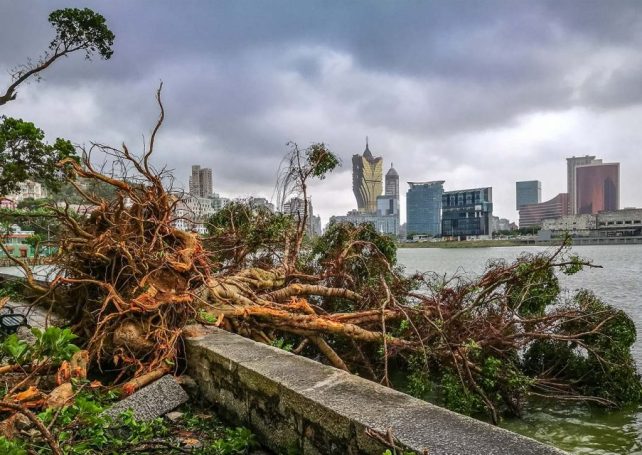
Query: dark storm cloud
[244, 77]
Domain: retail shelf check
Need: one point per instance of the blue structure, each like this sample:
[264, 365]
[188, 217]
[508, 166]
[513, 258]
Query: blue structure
[467, 213]
[423, 208]
[528, 192]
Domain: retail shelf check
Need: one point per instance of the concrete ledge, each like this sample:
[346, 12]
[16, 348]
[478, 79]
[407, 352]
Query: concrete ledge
[296, 404]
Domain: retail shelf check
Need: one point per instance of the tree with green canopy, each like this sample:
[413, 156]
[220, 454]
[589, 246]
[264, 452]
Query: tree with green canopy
[24, 153]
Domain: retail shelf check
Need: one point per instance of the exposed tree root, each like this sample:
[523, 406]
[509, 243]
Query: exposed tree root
[130, 282]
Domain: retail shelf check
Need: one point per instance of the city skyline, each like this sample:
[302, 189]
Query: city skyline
[442, 97]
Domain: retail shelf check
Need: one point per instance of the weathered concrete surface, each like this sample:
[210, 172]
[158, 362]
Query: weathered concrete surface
[152, 401]
[36, 316]
[295, 403]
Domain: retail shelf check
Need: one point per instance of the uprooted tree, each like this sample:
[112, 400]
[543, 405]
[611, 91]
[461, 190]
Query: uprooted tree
[129, 282]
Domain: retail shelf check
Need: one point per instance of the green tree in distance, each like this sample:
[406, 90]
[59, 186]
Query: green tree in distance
[24, 154]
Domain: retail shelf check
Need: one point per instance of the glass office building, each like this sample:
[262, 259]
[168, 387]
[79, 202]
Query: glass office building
[423, 208]
[528, 192]
[467, 213]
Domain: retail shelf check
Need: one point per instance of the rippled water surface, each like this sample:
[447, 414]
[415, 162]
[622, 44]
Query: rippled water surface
[618, 282]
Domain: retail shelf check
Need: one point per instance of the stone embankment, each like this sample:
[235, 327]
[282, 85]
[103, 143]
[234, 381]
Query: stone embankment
[297, 405]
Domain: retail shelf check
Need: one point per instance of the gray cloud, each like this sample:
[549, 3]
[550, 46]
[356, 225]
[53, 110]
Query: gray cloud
[477, 93]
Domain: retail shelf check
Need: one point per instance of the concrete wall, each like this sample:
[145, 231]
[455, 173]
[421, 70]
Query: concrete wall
[297, 405]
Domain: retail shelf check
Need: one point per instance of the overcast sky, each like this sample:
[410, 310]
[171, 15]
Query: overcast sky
[476, 93]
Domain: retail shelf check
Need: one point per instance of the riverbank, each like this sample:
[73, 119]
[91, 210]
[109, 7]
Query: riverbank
[637, 240]
[471, 244]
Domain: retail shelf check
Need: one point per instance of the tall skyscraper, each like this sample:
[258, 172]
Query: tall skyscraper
[367, 173]
[423, 208]
[571, 164]
[597, 188]
[200, 182]
[528, 192]
[392, 182]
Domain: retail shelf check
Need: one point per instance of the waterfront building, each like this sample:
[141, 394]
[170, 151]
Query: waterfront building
[467, 213]
[616, 223]
[367, 174]
[500, 224]
[528, 192]
[200, 182]
[620, 223]
[597, 188]
[571, 166]
[574, 225]
[388, 205]
[423, 208]
[531, 215]
[384, 224]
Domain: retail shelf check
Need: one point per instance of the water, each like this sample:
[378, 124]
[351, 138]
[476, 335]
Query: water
[571, 428]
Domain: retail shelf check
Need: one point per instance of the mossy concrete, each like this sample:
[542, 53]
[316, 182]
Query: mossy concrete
[296, 404]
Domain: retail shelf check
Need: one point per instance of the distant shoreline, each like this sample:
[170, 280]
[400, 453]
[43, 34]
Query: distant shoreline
[505, 243]
[468, 244]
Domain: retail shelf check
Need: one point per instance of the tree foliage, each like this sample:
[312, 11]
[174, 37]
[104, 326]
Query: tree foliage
[296, 170]
[77, 30]
[81, 30]
[243, 236]
[25, 155]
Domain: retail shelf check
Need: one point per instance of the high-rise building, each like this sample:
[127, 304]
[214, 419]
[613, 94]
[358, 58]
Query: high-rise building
[392, 182]
[467, 213]
[295, 207]
[200, 182]
[597, 188]
[571, 165]
[423, 208]
[528, 192]
[367, 173]
[531, 215]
